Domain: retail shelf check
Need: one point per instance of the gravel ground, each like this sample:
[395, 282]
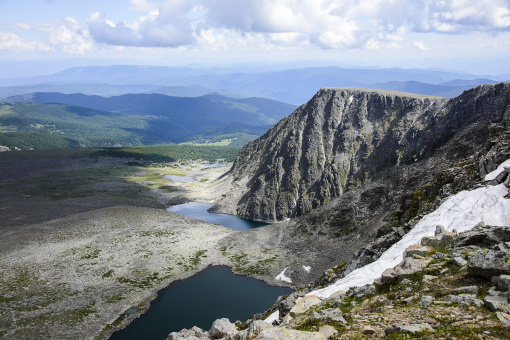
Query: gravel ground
[84, 239]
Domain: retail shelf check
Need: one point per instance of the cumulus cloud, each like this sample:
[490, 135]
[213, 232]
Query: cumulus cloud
[69, 37]
[169, 26]
[368, 24]
[12, 42]
[66, 36]
[419, 45]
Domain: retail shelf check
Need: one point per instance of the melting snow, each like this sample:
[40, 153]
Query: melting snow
[282, 276]
[351, 98]
[307, 268]
[491, 175]
[461, 212]
[273, 317]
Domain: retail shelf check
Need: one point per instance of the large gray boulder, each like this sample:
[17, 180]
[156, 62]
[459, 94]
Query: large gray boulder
[464, 299]
[223, 328]
[409, 328]
[483, 236]
[405, 268]
[194, 333]
[328, 315]
[280, 333]
[489, 263]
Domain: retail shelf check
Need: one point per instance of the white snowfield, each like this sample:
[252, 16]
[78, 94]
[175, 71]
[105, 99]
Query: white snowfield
[461, 212]
[493, 174]
[282, 276]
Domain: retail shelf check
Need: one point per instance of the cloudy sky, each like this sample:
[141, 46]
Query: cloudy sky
[410, 33]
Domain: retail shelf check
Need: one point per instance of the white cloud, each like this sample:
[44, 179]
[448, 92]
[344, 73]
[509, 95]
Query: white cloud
[372, 45]
[66, 36]
[169, 26]
[267, 24]
[12, 42]
[419, 45]
[69, 37]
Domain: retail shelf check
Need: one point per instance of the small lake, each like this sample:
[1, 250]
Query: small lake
[211, 294]
[213, 165]
[179, 178]
[199, 211]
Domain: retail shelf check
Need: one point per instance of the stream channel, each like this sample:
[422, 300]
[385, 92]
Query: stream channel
[211, 294]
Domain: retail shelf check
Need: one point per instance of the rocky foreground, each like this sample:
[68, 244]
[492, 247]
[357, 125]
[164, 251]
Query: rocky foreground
[451, 286]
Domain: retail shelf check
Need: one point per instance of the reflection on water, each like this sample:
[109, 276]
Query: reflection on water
[212, 294]
[179, 178]
[213, 165]
[199, 211]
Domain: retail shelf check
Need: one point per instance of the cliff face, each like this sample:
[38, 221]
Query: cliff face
[344, 138]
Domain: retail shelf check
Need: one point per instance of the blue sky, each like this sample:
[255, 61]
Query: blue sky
[458, 34]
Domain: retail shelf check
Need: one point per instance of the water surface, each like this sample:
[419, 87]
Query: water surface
[199, 211]
[212, 294]
[213, 165]
[179, 178]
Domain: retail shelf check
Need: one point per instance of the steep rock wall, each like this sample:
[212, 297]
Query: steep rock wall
[345, 137]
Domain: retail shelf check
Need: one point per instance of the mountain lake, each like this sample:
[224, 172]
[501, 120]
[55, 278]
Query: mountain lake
[211, 294]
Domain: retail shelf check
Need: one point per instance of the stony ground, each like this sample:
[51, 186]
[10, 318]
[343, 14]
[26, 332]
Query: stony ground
[457, 292]
[83, 239]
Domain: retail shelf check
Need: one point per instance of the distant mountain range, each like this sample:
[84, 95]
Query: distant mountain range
[294, 86]
[139, 119]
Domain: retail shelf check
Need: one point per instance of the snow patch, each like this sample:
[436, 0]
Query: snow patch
[307, 268]
[282, 276]
[461, 212]
[273, 317]
[493, 174]
[351, 98]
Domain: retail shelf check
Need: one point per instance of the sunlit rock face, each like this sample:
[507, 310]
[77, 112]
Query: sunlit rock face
[344, 138]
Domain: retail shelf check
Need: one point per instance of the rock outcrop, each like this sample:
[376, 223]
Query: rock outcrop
[344, 137]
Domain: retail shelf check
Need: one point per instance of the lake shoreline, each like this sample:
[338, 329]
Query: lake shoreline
[160, 294]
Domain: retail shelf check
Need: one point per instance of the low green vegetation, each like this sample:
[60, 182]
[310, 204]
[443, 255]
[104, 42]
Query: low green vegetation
[173, 153]
[34, 140]
[73, 124]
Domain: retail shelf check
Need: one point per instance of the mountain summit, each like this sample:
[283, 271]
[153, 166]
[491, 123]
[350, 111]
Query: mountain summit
[345, 137]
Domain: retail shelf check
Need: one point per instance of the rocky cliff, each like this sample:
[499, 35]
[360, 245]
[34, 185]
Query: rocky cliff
[345, 139]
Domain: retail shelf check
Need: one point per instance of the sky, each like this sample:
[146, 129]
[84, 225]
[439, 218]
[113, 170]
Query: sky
[451, 34]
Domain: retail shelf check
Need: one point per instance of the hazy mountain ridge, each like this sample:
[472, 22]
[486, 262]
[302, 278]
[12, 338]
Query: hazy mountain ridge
[154, 118]
[292, 85]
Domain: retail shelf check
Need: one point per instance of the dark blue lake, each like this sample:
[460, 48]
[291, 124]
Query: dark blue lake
[199, 211]
[209, 295]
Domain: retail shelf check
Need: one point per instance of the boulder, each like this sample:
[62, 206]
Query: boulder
[223, 328]
[504, 318]
[280, 333]
[459, 261]
[328, 331]
[304, 303]
[405, 268]
[194, 333]
[329, 315]
[503, 282]
[256, 327]
[426, 300]
[417, 249]
[368, 330]
[441, 240]
[489, 263]
[409, 328]
[483, 236]
[466, 289]
[497, 303]
[360, 292]
[464, 299]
